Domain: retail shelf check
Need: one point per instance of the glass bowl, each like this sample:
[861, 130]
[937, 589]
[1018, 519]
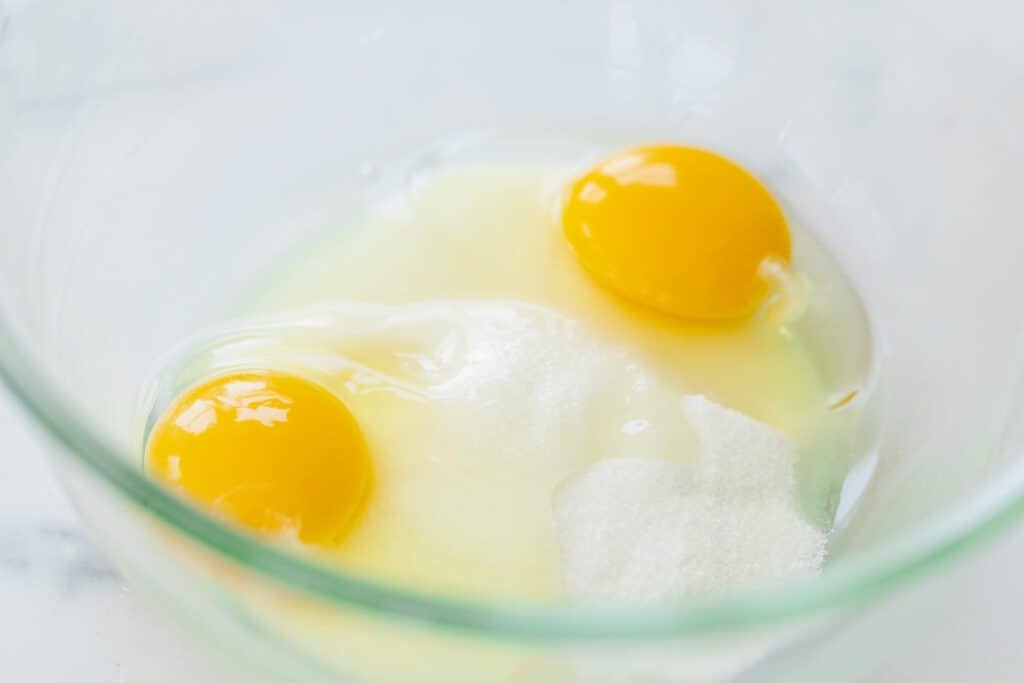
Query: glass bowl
[157, 158]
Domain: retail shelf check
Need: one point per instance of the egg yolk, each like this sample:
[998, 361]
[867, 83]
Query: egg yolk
[678, 229]
[272, 452]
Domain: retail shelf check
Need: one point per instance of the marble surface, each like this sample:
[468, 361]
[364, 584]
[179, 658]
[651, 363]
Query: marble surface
[65, 616]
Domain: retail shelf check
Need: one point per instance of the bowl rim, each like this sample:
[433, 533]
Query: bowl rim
[928, 546]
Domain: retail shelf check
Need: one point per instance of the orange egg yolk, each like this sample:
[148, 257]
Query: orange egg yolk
[272, 452]
[678, 229]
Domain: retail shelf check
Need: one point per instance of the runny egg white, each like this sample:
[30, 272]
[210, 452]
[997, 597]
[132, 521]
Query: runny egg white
[484, 367]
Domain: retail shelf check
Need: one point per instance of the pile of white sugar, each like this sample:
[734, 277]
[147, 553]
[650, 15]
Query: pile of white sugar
[640, 529]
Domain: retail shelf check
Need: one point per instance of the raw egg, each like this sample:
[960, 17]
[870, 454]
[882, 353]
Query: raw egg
[484, 367]
[679, 229]
[270, 451]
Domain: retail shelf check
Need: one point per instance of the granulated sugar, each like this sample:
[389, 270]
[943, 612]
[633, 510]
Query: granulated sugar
[639, 529]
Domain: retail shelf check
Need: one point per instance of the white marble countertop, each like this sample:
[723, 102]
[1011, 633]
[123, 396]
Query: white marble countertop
[67, 617]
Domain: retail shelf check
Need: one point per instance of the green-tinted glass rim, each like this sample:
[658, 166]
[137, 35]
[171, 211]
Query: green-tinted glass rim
[993, 508]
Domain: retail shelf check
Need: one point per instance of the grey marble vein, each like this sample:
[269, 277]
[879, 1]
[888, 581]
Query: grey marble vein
[58, 555]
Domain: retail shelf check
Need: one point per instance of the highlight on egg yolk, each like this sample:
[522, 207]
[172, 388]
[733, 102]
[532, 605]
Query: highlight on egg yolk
[270, 451]
[679, 229]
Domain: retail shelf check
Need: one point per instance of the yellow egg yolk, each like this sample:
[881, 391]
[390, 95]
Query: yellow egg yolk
[679, 229]
[272, 452]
